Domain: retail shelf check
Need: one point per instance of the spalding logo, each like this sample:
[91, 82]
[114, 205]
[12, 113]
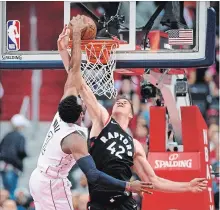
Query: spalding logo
[173, 162]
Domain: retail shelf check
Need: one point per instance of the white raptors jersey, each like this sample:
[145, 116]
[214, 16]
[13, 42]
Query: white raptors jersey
[52, 160]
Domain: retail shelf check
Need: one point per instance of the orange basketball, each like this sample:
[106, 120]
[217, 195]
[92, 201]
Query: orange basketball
[89, 32]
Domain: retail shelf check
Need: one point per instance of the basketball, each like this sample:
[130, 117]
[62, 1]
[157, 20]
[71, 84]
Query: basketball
[90, 31]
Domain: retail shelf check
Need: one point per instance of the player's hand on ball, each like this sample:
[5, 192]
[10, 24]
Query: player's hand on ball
[63, 40]
[78, 23]
[198, 185]
[141, 187]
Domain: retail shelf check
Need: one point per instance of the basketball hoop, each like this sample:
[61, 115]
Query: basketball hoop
[98, 65]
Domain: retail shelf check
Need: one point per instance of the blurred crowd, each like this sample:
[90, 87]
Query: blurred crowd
[12, 154]
[204, 86]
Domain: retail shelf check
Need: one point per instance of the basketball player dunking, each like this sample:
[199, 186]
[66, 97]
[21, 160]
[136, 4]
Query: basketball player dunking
[64, 146]
[113, 150]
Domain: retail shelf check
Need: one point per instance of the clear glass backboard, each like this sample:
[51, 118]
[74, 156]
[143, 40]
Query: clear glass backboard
[154, 34]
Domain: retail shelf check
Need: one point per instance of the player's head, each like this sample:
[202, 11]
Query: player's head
[123, 106]
[70, 109]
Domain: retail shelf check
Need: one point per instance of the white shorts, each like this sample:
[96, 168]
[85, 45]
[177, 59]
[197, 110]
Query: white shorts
[49, 193]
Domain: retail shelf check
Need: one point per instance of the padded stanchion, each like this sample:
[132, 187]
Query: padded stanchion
[157, 129]
[193, 162]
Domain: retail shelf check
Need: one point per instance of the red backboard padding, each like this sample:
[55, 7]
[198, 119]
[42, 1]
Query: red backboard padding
[157, 129]
[183, 166]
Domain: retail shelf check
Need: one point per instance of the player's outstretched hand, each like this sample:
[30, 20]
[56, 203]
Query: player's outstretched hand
[198, 185]
[141, 187]
[63, 40]
[78, 23]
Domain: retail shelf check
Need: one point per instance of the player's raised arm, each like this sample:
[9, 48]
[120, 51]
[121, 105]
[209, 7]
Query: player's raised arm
[62, 45]
[76, 143]
[96, 112]
[145, 172]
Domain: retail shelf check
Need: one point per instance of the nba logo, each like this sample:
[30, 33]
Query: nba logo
[13, 35]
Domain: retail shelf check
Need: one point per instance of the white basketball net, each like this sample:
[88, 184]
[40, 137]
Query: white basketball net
[99, 76]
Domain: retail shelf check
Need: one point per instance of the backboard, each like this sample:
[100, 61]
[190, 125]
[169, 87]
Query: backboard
[156, 34]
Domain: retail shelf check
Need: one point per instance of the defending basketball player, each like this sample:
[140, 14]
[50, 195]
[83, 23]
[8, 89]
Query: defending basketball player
[64, 146]
[113, 150]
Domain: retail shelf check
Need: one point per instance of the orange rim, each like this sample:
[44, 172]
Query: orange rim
[97, 42]
[97, 46]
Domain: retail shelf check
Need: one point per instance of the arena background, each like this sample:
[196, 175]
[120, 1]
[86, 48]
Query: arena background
[16, 92]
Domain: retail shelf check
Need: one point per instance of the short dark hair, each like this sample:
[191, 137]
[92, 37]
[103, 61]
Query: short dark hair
[69, 109]
[126, 98]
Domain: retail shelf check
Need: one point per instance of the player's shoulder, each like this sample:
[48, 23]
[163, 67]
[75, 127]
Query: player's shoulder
[80, 130]
[136, 143]
[78, 133]
[73, 142]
